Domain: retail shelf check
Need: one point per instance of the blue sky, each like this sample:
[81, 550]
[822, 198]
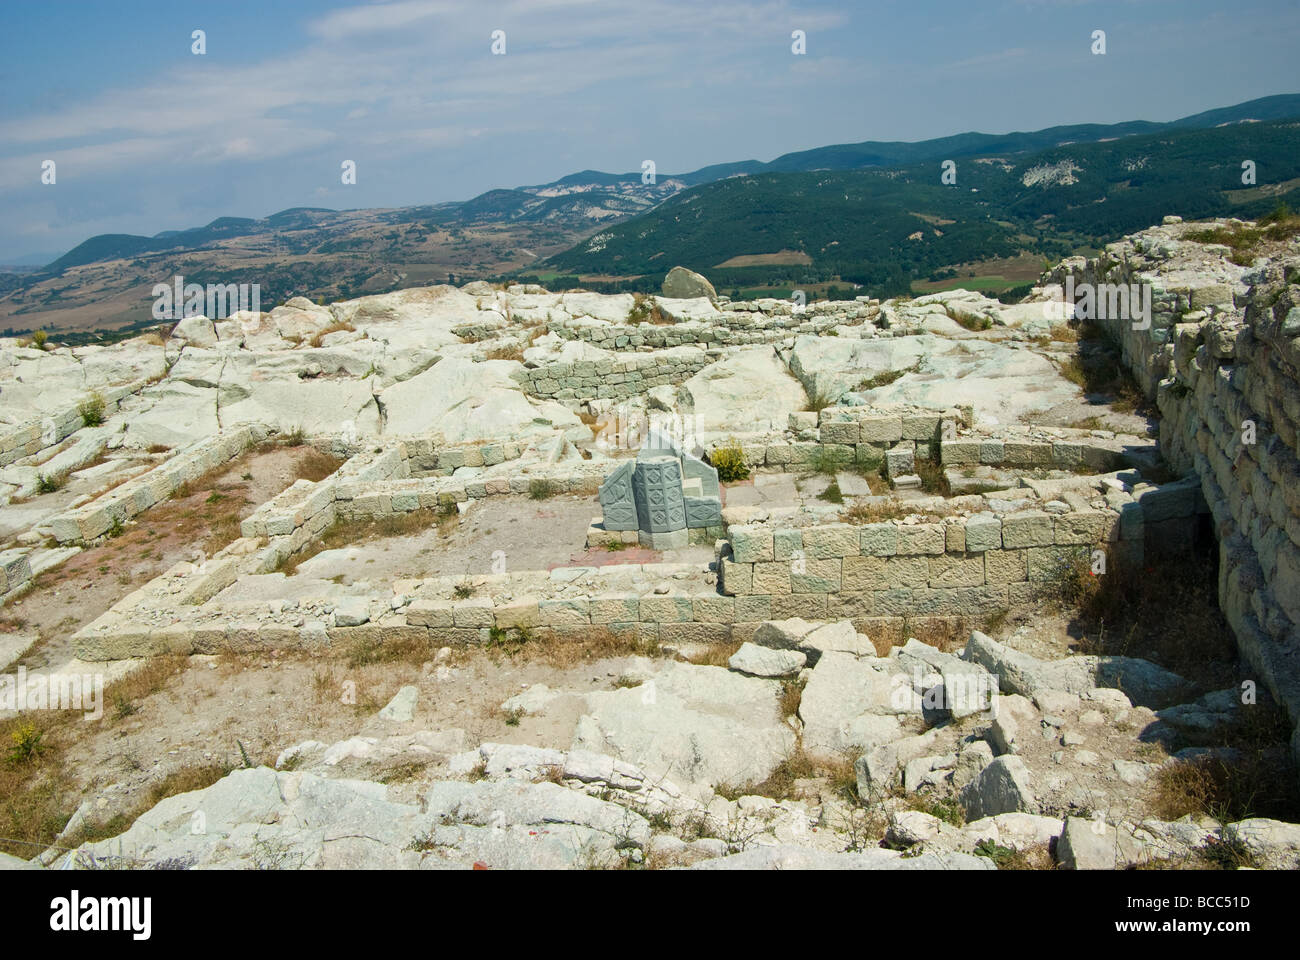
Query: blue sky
[149, 137]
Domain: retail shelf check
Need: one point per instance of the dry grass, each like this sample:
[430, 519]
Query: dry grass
[1245, 243]
[1252, 775]
[365, 649]
[183, 780]
[37, 794]
[972, 322]
[508, 352]
[933, 478]
[343, 533]
[1098, 370]
[1167, 613]
[1089, 423]
[876, 511]
[540, 489]
[569, 648]
[315, 465]
[946, 633]
[332, 328]
[645, 309]
[714, 654]
[791, 697]
[818, 400]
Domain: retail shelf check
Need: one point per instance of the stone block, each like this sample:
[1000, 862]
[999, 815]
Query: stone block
[772, 578]
[666, 609]
[1006, 566]
[751, 543]
[957, 570]
[737, 579]
[816, 576]
[614, 607]
[833, 540]
[522, 613]
[920, 539]
[1029, 528]
[878, 539]
[983, 532]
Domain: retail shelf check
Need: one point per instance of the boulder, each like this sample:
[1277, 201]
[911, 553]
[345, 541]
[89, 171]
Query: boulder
[849, 704]
[1143, 682]
[1272, 844]
[783, 634]
[402, 707]
[683, 284]
[1001, 787]
[765, 662]
[722, 395]
[1097, 845]
[701, 726]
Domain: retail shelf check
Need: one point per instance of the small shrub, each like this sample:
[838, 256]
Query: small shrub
[315, 465]
[25, 743]
[38, 339]
[92, 410]
[50, 483]
[730, 463]
[999, 854]
[933, 478]
[946, 809]
[832, 493]
[542, 489]
[886, 377]
[819, 400]
[645, 309]
[509, 352]
[970, 321]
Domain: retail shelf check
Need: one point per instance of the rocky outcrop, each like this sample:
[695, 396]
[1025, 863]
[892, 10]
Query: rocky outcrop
[683, 284]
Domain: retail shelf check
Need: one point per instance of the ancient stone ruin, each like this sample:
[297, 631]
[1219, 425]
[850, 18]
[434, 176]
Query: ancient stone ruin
[664, 495]
[869, 646]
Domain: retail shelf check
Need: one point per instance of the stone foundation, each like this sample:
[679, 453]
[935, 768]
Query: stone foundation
[1221, 358]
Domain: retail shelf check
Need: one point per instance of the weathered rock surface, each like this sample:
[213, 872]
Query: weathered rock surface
[700, 726]
[1144, 682]
[683, 284]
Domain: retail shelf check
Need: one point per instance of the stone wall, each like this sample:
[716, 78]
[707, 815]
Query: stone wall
[139, 494]
[30, 438]
[1222, 360]
[728, 329]
[954, 566]
[614, 379]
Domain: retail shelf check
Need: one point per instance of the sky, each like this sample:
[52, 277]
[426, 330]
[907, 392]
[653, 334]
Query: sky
[146, 135]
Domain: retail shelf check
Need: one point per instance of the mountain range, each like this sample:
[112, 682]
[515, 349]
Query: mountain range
[876, 215]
